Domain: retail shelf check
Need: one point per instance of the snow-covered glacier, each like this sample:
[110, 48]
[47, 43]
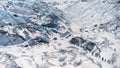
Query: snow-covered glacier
[59, 33]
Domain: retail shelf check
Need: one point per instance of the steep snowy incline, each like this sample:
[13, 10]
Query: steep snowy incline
[59, 34]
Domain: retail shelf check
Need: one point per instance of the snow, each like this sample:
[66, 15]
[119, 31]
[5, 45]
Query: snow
[37, 33]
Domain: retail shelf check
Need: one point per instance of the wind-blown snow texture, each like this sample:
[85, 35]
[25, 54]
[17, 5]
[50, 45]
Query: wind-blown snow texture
[59, 34]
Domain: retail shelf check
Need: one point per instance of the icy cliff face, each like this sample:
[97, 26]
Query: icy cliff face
[59, 34]
[21, 22]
